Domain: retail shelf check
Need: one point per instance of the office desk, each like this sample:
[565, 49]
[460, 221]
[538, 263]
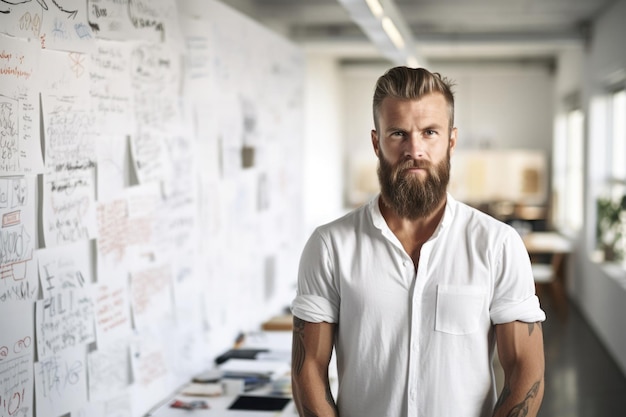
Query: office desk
[552, 274]
[278, 344]
[546, 243]
[219, 407]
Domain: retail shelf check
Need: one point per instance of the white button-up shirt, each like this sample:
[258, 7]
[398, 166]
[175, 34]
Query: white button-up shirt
[416, 343]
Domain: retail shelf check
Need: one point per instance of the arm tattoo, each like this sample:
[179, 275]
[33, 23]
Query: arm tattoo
[531, 327]
[521, 409]
[298, 352]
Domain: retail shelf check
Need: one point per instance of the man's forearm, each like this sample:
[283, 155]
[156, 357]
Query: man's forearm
[309, 370]
[523, 401]
[313, 401]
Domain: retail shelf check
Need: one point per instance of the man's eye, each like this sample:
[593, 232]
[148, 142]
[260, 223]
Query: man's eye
[398, 134]
[430, 132]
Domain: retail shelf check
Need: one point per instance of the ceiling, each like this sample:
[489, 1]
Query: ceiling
[441, 30]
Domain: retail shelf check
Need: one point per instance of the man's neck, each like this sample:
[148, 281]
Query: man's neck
[412, 233]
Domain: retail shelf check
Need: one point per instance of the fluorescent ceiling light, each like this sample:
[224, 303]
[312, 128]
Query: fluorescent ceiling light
[392, 31]
[375, 8]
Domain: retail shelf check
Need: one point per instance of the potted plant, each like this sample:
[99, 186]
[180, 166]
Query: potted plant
[610, 227]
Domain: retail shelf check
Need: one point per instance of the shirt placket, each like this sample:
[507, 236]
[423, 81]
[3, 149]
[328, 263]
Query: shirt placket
[414, 374]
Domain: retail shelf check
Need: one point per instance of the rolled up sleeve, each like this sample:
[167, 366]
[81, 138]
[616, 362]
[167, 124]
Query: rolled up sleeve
[514, 291]
[317, 298]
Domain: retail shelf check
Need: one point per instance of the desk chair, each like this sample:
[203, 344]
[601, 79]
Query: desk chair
[552, 276]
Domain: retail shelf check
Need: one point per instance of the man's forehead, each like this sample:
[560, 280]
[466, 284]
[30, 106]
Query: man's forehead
[433, 105]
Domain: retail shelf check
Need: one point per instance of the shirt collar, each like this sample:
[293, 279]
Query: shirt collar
[380, 223]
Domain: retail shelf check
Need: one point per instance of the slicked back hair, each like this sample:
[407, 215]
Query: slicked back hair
[410, 84]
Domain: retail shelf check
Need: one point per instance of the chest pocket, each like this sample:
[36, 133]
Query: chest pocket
[459, 308]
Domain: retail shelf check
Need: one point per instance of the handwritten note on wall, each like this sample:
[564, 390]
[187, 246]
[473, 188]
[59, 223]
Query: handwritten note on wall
[112, 220]
[110, 90]
[148, 152]
[18, 239]
[151, 295]
[63, 321]
[17, 344]
[150, 20]
[155, 77]
[151, 373]
[69, 212]
[65, 267]
[65, 26]
[109, 370]
[20, 144]
[66, 75]
[112, 307]
[22, 20]
[112, 166]
[61, 382]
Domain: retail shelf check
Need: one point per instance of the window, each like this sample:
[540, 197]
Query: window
[617, 146]
[567, 179]
[611, 201]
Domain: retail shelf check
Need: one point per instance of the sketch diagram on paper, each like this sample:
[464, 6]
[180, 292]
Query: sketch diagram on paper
[18, 271]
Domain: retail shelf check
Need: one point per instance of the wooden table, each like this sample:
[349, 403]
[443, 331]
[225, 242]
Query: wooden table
[550, 274]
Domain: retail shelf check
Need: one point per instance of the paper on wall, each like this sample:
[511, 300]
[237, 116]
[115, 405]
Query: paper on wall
[20, 143]
[110, 19]
[151, 373]
[148, 154]
[155, 76]
[151, 295]
[61, 382]
[66, 75]
[112, 311]
[110, 88]
[109, 371]
[69, 181]
[17, 346]
[63, 321]
[65, 267]
[21, 20]
[113, 173]
[69, 208]
[65, 27]
[150, 20]
[18, 239]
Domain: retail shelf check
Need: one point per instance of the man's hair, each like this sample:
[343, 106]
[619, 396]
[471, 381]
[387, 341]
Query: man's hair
[412, 83]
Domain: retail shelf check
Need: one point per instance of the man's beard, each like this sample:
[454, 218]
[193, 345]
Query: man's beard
[408, 195]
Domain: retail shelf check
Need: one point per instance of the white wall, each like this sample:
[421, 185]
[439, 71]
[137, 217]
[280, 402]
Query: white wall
[504, 106]
[323, 146]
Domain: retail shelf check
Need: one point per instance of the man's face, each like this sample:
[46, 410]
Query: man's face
[413, 145]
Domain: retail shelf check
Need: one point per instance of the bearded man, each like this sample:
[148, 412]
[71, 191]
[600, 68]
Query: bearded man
[414, 289]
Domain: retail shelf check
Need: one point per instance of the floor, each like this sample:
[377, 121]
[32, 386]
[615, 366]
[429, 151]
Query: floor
[582, 380]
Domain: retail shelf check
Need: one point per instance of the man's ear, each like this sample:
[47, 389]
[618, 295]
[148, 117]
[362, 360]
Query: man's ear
[452, 142]
[375, 142]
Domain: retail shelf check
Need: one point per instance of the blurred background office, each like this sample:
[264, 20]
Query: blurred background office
[541, 113]
[164, 161]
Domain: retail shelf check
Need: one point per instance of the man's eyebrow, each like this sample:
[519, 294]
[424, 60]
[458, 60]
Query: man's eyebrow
[395, 129]
[433, 126]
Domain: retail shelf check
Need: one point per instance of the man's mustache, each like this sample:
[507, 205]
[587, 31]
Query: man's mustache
[414, 163]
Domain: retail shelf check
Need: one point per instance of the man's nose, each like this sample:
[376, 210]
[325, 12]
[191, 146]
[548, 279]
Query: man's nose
[415, 146]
